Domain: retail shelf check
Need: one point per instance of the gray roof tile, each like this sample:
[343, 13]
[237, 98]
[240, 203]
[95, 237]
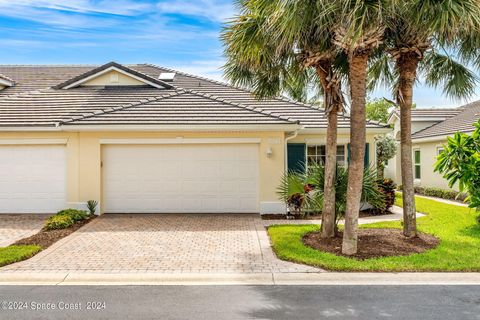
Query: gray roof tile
[462, 122]
[192, 99]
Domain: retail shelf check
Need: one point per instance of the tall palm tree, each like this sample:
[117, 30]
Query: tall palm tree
[359, 31]
[285, 46]
[424, 35]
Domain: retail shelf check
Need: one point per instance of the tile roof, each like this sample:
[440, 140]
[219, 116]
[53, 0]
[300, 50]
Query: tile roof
[431, 114]
[461, 122]
[35, 101]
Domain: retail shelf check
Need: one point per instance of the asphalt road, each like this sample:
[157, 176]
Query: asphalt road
[240, 302]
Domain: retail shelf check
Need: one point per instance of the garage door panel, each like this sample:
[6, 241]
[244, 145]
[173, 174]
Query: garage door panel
[180, 178]
[32, 179]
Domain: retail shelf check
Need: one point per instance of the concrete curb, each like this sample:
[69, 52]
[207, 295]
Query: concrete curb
[326, 278]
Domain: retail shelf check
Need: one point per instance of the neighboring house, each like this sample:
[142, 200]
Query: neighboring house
[142, 138]
[430, 129]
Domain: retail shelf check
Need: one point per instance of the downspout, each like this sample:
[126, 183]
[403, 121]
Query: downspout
[289, 137]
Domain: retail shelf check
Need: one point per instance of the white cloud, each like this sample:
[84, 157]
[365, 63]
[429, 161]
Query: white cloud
[214, 10]
[211, 69]
[118, 7]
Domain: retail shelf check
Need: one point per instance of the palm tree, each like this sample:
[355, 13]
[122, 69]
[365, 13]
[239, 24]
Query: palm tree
[424, 36]
[285, 46]
[359, 31]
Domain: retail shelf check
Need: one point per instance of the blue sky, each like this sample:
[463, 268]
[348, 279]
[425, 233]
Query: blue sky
[178, 34]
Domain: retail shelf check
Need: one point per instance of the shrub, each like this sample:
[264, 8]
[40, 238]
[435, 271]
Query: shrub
[459, 163]
[76, 215]
[439, 193]
[387, 187]
[303, 192]
[92, 205]
[59, 222]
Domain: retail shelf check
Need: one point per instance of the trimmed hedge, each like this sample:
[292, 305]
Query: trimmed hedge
[439, 193]
[59, 222]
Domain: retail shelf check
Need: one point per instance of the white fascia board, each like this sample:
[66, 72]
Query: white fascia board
[33, 141]
[436, 138]
[430, 139]
[113, 68]
[204, 128]
[435, 119]
[344, 131]
[391, 117]
[181, 140]
[28, 129]
[6, 83]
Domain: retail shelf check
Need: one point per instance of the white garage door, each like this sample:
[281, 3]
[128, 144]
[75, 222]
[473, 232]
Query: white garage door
[180, 178]
[32, 179]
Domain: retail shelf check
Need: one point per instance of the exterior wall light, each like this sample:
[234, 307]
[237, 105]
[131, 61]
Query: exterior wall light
[269, 152]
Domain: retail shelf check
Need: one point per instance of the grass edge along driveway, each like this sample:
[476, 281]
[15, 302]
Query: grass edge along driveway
[456, 226]
[16, 253]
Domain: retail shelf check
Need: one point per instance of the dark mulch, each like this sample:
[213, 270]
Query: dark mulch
[374, 243]
[45, 238]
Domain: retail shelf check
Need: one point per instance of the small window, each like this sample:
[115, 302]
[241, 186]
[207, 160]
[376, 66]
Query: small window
[417, 164]
[316, 154]
[439, 150]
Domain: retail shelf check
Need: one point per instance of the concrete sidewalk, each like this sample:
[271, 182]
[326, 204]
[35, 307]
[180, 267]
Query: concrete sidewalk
[330, 278]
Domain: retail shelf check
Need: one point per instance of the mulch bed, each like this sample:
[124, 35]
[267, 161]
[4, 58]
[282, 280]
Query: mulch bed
[374, 243]
[45, 238]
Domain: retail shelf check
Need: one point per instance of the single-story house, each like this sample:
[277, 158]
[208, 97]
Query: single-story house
[142, 138]
[430, 129]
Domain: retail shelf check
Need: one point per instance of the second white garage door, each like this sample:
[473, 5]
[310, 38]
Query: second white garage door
[181, 178]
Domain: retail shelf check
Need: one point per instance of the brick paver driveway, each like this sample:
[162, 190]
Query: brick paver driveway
[14, 227]
[167, 243]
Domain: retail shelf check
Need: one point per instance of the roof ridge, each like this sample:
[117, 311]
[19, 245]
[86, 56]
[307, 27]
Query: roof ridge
[239, 105]
[122, 107]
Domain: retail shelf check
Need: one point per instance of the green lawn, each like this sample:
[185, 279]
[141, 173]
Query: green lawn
[13, 254]
[459, 249]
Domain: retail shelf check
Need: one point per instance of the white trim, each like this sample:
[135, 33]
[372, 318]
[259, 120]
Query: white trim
[183, 141]
[437, 138]
[343, 130]
[415, 164]
[6, 83]
[113, 68]
[32, 141]
[212, 128]
[29, 129]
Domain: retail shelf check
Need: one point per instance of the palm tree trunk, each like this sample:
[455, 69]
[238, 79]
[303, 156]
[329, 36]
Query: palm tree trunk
[357, 80]
[324, 72]
[407, 64]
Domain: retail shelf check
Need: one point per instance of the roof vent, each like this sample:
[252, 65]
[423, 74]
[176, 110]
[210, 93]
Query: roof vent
[167, 76]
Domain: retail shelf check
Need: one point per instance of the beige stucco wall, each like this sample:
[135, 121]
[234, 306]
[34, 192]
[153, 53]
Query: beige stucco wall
[393, 169]
[106, 80]
[428, 157]
[84, 156]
